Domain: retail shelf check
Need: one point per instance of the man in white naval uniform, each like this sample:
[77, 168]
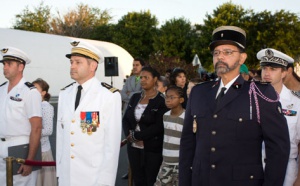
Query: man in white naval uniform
[88, 135]
[20, 115]
[273, 64]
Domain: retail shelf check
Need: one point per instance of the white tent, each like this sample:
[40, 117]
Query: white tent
[48, 61]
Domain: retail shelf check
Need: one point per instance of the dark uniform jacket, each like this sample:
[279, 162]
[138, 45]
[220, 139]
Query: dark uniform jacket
[151, 122]
[226, 149]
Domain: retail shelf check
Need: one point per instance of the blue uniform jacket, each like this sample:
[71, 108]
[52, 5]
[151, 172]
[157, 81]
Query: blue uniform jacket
[226, 149]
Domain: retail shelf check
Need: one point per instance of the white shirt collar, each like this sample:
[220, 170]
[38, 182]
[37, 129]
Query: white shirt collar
[227, 86]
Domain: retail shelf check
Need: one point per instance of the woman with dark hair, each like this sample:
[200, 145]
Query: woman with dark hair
[143, 126]
[178, 78]
[47, 175]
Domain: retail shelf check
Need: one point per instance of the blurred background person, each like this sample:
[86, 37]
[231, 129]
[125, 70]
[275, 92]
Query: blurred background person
[245, 72]
[178, 78]
[162, 84]
[143, 126]
[292, 80]
[132, 84]
[47, 175]
[168, 73]
[191, 84]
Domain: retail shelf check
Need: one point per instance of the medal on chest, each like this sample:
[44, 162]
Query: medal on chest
[89, 122]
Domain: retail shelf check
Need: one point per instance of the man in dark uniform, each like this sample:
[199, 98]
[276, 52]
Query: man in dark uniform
[226, 122]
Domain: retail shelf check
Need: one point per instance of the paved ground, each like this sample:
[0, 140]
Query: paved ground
[123, 165]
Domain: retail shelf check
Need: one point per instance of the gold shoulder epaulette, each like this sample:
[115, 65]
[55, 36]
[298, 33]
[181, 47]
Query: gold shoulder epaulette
[30, 85]
[109, 87]
[67, 86]
[296, 93]
[3, 83]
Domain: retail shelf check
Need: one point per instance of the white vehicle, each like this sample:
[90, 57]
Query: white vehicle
[48, 58]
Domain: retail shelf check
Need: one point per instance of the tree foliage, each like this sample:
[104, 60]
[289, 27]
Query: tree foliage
[162, 63]
[135, 32]
[263, 29]
[36, 20]
[80, 22]
[279, 31]
[175, 39]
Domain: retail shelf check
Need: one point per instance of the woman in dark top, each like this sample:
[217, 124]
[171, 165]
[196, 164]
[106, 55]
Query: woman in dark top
[178, 78]
[143, 126]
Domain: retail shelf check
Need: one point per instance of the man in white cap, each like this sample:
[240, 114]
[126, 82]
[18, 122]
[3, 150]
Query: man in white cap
[88, 123]
[274, 68]
[226, 122]
[20, 115]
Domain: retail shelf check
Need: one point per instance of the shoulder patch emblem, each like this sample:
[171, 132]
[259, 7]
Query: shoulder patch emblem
[30, 85]
[3, 83]
[109, 87]
[296, 93]
[67, 86]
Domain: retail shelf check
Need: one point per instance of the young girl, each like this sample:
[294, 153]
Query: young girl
[47, 175]
[173, 123]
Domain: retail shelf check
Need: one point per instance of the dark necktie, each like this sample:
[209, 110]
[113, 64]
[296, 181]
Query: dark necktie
[78, 95]
[221, 94]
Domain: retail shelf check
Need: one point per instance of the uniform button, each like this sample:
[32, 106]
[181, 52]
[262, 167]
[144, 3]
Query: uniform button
[213, 149]
[215, 116]
[213, 132]
[73, 120]
[72, 156]
[240, 119]
[72, 132]
[251, 177]
[213, 166]
[72, 144]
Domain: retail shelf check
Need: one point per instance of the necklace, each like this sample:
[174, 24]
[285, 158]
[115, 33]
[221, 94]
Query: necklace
[149, 96]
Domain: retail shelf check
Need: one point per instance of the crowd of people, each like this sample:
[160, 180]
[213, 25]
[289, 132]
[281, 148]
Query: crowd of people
[237, 127]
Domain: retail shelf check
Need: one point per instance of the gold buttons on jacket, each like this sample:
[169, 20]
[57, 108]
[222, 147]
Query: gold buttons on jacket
[73, 120]
[215, 116]
[213, 149]
[213, 166]
[213, 132]
[72, 132]
[72, 144]
[72, 156]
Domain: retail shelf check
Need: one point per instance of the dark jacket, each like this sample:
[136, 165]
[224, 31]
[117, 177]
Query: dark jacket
[151, 122]
[226, 149]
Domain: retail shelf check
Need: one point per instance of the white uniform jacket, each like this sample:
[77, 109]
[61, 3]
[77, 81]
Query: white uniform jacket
[88, 156]
[291, 110]
[16, 108]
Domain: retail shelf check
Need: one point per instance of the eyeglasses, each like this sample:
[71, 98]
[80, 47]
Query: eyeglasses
[227, 52]
[171, 97]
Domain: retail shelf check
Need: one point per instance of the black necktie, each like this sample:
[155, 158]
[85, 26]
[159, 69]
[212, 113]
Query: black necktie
[221, 94]
[78, 95]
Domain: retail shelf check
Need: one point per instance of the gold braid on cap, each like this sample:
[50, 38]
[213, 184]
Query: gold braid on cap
[85, 52]
[270, 58]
